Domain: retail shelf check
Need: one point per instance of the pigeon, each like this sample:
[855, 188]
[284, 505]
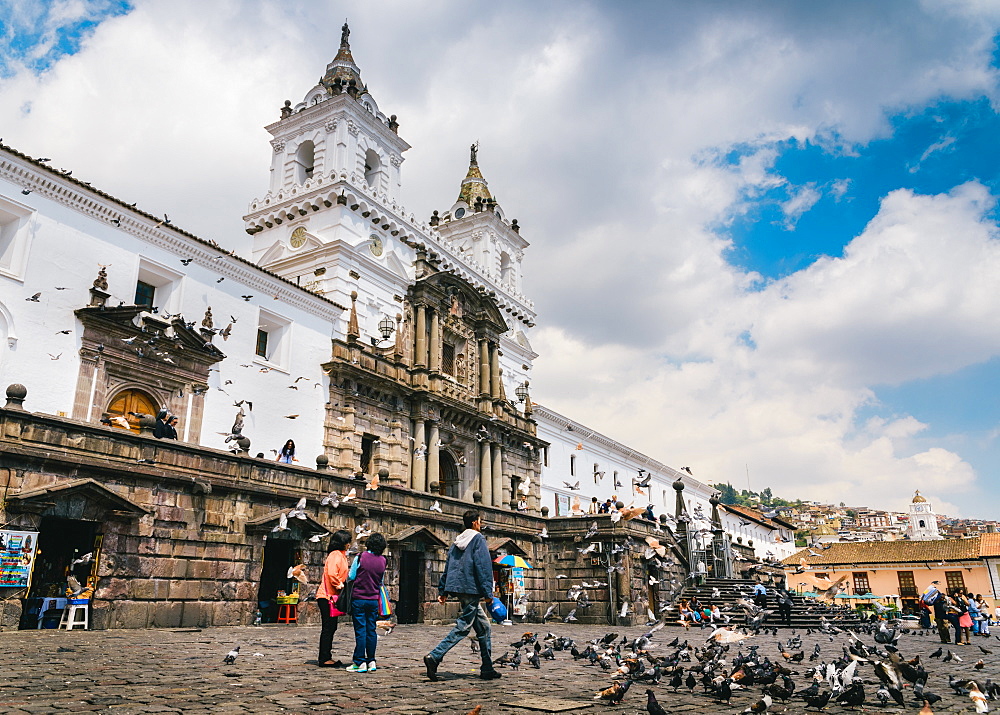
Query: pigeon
[761, 705]
[35, 299]
[653, 707]
[332, 499]
[298, 572]
[978, 698]
[231, 656]
[299, 510]
[572, 487]
[436, 506]
[282, 524]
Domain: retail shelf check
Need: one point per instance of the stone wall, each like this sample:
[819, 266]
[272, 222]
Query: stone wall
[184, 528]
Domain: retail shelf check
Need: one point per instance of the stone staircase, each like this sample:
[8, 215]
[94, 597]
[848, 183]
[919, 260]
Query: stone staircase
[806, 612]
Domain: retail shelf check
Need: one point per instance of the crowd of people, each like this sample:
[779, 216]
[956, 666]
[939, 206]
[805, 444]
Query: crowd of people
[964, 614]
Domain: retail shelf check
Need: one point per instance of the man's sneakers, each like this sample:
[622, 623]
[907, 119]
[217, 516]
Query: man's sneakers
[432, 668]
[355, 668]
[490, 674]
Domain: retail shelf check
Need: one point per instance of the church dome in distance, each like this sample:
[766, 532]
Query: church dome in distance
[917, 499]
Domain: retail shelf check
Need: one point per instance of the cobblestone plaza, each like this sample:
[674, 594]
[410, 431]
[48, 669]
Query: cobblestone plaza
[181, 671]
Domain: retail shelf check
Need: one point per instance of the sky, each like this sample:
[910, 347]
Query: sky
[771, 228]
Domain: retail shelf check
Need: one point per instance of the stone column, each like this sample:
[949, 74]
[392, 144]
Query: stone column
[418, 465]
[495, 371]
[501, 495]
[435, 342]
[484, 368]
[485, 476]
[420, 354]
[485, 471]
[433, 453]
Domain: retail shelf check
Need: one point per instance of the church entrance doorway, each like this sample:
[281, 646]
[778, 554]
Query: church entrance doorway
[411, 586]
[450, 481]
[130, 403]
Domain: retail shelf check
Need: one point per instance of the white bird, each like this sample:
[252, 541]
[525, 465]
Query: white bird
[85, 559]
[978, 697]
[544, 533]
[231, 656]
[316, 538]
[436, 506]
[299, 511]
[353, 494]
[363, 531]
[332, 499]
[298, 572]
[282, 524]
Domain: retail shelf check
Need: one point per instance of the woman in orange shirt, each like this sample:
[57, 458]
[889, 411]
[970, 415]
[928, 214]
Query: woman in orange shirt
[334, 577]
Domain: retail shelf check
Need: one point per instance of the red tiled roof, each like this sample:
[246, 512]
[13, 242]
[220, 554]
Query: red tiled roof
[880, 552]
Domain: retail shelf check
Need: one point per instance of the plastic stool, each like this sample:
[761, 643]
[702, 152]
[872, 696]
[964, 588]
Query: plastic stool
[69, 619]
[288, 613]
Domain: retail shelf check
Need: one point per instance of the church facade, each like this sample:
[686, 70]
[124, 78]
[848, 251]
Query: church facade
[394, 353]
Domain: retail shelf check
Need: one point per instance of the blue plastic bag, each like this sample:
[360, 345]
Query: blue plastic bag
[498, 611]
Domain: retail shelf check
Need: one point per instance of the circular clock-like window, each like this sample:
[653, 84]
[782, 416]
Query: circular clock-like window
[298, 237]
[459, 213]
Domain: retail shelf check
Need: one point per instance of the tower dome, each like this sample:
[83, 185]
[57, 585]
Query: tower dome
[917, 499]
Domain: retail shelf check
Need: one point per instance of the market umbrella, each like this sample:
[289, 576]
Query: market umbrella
[512, 560]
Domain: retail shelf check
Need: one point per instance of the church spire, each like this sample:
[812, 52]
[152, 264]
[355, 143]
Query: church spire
[475, 192]
[343, 75]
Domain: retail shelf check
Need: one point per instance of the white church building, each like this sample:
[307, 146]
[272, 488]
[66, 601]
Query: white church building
[110, 312]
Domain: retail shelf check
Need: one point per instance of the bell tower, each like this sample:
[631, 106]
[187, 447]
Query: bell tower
[923, 521]
[335, 142]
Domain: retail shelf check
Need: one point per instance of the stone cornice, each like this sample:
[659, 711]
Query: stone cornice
[79, 196]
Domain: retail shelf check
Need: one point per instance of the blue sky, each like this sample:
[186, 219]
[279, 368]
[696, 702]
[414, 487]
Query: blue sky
[770, 227]
[38, 34]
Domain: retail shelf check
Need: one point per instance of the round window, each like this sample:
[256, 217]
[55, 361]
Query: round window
[459, 213]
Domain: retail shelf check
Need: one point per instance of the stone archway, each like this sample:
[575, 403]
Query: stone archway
[128, 404]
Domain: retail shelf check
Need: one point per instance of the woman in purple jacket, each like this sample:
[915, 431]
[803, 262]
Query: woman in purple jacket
[364, 603]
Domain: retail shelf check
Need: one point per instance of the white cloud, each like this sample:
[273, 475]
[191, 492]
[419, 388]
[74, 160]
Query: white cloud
[801, 200]
[625, 139]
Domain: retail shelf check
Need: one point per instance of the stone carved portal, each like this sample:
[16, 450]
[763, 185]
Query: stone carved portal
[451, 480]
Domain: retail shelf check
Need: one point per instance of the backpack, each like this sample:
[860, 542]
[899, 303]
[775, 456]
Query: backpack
[931, 598]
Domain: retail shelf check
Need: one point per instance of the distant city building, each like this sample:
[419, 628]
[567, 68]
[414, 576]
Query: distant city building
[923, 524]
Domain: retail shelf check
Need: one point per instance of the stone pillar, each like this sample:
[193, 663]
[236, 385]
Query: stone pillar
[433, 454]
[495, 371]
[435, 342]
[418, 464]
[484, 368]
[485, 469]
[420, 354]
[485, 481]
[501, 494]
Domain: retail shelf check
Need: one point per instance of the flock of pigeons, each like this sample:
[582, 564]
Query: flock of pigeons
[867, 665]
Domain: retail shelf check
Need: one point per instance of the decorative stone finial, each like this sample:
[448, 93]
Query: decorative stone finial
[15, 396]
[322, 462]
[477, 497]
[473, 152]
[353, 331]
[679, 484]
[207, 321]
[345, 35]
[545, 511]
[286, 111]
[101, 282]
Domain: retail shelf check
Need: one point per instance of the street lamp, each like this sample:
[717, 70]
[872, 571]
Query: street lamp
[522, 391]
[386, 327]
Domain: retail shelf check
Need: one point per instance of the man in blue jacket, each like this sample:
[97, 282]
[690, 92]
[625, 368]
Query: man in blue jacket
[468, 575]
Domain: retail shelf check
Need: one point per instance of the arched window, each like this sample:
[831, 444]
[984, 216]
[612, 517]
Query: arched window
[922, 524]
[304, 161]
[505, 269]
[130, 403]
[373, 167]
